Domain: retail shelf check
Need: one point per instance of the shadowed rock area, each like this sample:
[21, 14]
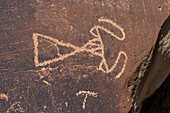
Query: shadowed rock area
[159, 101]
[152, 71]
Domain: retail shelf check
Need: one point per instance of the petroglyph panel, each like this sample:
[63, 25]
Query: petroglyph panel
[51, 50]
[94, 47]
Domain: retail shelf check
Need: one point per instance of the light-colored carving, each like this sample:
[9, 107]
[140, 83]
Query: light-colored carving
[66, 103]
[44, 81]
[3, 96]
[15, 107]
[94, 46]
[86, 93]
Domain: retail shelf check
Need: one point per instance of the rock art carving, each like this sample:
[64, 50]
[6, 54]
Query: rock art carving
[95, 44]
[86, 93]
[3, 96]
[15, 107]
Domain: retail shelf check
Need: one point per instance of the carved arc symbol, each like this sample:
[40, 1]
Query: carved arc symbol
[96, 44]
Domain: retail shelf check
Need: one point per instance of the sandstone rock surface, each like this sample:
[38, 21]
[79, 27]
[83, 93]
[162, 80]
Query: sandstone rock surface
[78, 56]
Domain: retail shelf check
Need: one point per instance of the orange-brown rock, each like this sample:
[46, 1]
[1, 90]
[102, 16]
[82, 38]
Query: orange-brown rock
[95, 56]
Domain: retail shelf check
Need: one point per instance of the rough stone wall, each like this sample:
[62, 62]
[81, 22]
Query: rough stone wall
[159, 102]
[74, 55]
[153, 70]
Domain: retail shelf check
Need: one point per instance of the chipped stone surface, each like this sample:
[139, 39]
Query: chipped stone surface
[153, 70]
[99, 45]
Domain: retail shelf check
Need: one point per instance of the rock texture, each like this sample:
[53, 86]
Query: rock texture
[153, 70]
[159, 101]
[80, 55]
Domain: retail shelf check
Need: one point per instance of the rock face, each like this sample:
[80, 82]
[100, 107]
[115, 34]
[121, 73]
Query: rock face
[153, 70]
[78, 55]
[159, 102]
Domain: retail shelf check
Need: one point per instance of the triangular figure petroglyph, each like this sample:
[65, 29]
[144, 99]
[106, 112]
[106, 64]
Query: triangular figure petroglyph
[94, 46]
